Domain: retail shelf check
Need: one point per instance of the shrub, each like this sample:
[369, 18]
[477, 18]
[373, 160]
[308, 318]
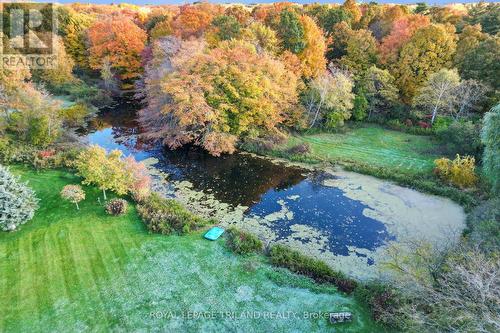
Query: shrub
[380, 299]
[242, 242]
[139, 179]
[461, 137]
[166, 216]
[459, 172]
[73, 194]
[300, 149]
[282, 256]
[116, 207]
[17, 201]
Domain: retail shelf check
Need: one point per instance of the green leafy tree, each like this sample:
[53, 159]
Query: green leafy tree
[360, 108]
[327, 17]
[106, 171]
[486, 14]
[291, 32]
[361, 52]
[18, 202]
[490, 136]
[482, 63]
[223, 27]
[380, 90]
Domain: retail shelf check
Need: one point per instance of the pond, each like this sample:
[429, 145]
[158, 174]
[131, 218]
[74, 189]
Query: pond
[346, 219]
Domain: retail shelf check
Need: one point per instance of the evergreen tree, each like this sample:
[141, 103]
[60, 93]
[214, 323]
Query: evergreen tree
[18, 202]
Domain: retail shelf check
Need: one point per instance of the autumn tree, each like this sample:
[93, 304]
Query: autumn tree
[429, 50]
[35, 116]
[193, 20]
[361, 52]
[438, 93]
[387, 20]
[379, 88]
[74, 34]
[106, 171]
[262, 37]
[61, 72]
[138, 178]
[162, 29]
[329, 99]
[402, 30]
[239, 12]
[213, 98]
[352, 8]
[119, 40]
[73, 194]
[312, 56]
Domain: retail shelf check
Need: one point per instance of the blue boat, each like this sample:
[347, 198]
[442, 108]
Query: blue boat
[214, 233]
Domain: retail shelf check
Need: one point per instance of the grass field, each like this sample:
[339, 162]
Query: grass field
[373, 145]
[69, 270]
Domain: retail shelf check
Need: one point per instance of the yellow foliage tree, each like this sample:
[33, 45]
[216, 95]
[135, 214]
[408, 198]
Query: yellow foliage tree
[312, 56]
[430, 49]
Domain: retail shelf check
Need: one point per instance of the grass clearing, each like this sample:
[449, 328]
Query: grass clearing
[375, 146]
[69, 270]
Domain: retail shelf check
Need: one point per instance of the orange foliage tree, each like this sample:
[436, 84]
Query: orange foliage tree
[120, 41]
[401, 32]
[212, 98]
[193, 20]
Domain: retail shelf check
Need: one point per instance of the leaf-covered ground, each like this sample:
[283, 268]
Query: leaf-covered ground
[375, 146]
[69, 270]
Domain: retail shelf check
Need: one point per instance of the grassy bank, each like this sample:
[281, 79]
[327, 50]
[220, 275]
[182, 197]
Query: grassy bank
[69, 270]
[404, 158]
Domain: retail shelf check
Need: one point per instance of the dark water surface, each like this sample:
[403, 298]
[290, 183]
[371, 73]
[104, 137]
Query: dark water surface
[259, 184]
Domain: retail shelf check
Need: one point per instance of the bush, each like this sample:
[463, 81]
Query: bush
[380, 299]
[116, 207]
[300, 149]
[166, 216]
[242, 242]
[73, 194]
[459, 172]
[282, 256]
[17, 201]
[461, 137]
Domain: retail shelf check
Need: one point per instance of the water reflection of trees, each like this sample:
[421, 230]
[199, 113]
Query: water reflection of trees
[234, 179]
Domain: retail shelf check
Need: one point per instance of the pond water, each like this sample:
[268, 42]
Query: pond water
[344, 218]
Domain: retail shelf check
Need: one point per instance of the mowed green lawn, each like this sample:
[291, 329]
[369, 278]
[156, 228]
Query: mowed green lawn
[68, 271]
[375, 146]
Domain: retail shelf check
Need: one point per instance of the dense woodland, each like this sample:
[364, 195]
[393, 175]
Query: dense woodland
[224, 77]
